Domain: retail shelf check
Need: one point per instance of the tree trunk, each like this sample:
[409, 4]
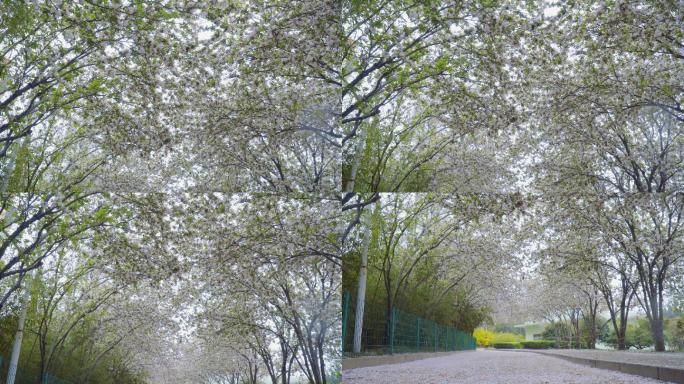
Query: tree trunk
[388, 323]
[253, 373]
[591, 341]
[361, 290]
[658, 337]
[621, 341]
[591, 323]
[16, 348]
[285, 355]
[653, 305]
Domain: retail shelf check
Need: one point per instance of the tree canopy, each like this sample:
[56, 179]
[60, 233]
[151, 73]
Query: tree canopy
[188, 189]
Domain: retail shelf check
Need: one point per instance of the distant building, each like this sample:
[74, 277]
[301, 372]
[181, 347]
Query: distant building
[532, 331]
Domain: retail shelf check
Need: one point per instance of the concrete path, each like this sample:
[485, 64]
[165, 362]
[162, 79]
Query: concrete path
[492, 367]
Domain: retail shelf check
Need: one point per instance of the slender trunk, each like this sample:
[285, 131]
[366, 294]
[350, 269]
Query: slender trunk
[268, 362]
[293, 357]
[388, 323]
[315, 362]
[659, 337]
[619, 312]
[42, 343]
[361, 291]
[253, 373]
[309, 349]
[321, 347]
[284, 350]
[16, 348]
[591, 323]
[621, 333]
[574, 321]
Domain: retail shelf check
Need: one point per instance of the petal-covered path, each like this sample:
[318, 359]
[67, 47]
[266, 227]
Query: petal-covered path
[492, 367]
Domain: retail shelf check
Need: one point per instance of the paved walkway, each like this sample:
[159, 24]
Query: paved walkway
[492, 367]
[659, 359]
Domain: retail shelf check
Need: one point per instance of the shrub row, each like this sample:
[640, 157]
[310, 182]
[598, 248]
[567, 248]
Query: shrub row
[530, 344]
[506, 345]
[538, 344]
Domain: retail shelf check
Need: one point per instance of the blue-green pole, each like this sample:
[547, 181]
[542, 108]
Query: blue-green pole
[345, 316]
[393, 322]
[418, 335]
[434, 331]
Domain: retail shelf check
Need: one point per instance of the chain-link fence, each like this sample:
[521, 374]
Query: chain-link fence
[390, 330]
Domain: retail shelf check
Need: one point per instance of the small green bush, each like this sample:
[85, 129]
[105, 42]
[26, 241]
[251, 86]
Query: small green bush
[638, 335]
[506, 345]
[674, 333]
[538, 344]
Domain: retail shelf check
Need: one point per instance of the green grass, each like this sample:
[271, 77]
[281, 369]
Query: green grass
[506, 337]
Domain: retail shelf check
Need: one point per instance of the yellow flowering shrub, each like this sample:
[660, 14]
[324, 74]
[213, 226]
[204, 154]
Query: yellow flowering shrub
[486, 338]
[483, 337]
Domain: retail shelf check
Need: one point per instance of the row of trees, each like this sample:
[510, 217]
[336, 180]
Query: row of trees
[214, 281]
[118, 122]
[613, 184]
[437, 256]
[637, 334]
[103, 120]
[457, 96]
[578, 104]
[76, 328]
[605, 151]
[86, 296]
[267, 287]
[616, 245]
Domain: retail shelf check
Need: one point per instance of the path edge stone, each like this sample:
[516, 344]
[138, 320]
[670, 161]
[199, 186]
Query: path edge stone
[654, 372]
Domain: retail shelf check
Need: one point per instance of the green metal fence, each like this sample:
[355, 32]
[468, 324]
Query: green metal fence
[23, 377]
[51, 379]
[388, 331]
